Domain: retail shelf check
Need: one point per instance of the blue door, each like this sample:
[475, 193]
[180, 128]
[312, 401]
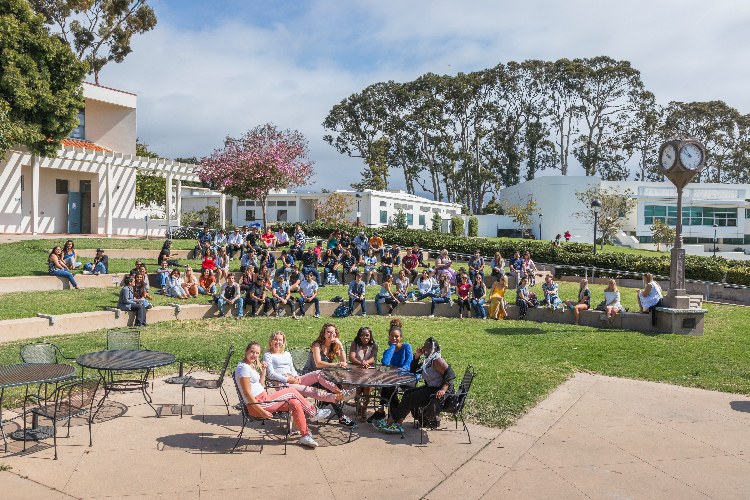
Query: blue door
[74, 212]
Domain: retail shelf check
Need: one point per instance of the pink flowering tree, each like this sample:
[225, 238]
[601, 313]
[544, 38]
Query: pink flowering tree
[261, 160]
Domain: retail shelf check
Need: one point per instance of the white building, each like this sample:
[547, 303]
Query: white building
[89, 186]
[703, 205]
[376, 208]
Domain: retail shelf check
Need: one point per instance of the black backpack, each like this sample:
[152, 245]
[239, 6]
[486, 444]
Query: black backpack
[342, 311]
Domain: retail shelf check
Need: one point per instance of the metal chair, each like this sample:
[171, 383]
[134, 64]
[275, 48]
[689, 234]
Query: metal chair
[209, 384]
[247, 417]
[455, 404]
[43, 352]
[300, 355]
[128, 339]
[70, 399]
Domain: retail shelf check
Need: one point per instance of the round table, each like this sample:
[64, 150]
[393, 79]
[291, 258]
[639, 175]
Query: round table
[378, 376]
[126, 360]
[27, 374]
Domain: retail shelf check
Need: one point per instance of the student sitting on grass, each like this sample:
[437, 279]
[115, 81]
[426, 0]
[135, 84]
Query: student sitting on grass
[478, 292]
[207, 282]
[425, 285]
[402, 287]
[248, 278]
[204, 241]
[269, 239]
[498, 265]
[209, 261]
[257, 295]
[220, 240]
[287, 261]
[163, 274]
[370, 262]
[348, 265]
[386, 295]
[70, 255]
[463, 291]
[476, 266]
[310, 264]
[443, 295]
[234, 243]
[190, 282]
[57, 267]
[248, 261]
[395, 253]
[282, 238]
[357, 293]
[331, 265]
[386, 265]
[174, 286]
[295, 277]
[612, 306]
[230, 294]
[100, 264]
[128, 302]
[409, 265]
[524, 300]
[552, 294]
[584, 300]
[222, 264]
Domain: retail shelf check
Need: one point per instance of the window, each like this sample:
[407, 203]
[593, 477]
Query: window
[249, 203]
[383, 204]
[424, 209]
[281, 203]
[80, 131]
[410, 219]
[705, 240]
[690, 241]
[250, 215]
[422, 220]
[241, 203]
[383, 217]
[292, 203]
[733, 241]
[22, 183]
[61, 186]
[281, 215]
[435, 210]
[451, 212]
[691, 216]
[747, 239]
[747, 213]
[271, 203]
[646, 239]
[84, 186]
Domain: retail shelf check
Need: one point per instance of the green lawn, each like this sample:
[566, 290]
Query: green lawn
[607, 248]
[519, 362]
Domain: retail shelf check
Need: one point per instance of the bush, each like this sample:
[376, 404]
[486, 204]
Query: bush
[457, 226]
[473, 226]
[436, 222]
[399, 220]
[738, 275]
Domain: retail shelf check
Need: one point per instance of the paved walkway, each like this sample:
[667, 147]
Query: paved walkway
[595, 437]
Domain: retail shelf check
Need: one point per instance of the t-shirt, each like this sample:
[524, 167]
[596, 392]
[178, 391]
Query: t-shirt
[370, 261]
[586, 296]
[516, 264]
[308, 288]
[463, 290]
[424, 286]
[281, 289]
[257, 290]
[387, 260]
[163, 255]
[230, 292]
[280, 366]
[550, 289]
[376, 242]
[309, 260]
[410, 261]
[207, 282]
[357, 288]
[267, 237]
[252, 238]
[476, 263]
[244, 370]
[283, 237]
[402, 286]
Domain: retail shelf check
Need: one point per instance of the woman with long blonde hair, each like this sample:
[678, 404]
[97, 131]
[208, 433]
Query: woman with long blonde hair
[497, 298]
[190, 282]
[584, 300]
[612, 304]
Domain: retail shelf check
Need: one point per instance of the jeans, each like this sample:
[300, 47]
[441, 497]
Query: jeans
[345, 272]
[239, 301]
[163, 279]
[268, 303]
[403, 298]
[66, 274]
[327, 271]
[71, 263]
[314, 271]
[286, 271]
[387, 271]
[421, 296]
[211, 291]
[352, 300]
[386, 300]
[412, 274]
[302, 303]
[473, 273]
[396, 260]
[98, 268]
[464, 303]
[438, 300]
[523, 305]
[553, 299]
[479, 308]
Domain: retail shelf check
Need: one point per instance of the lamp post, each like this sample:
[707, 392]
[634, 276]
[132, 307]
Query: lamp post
[359, 198]
[596, 205]
[540, 226]
[715, 239]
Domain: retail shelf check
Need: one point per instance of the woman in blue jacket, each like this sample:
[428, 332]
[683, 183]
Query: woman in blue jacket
[398, 355]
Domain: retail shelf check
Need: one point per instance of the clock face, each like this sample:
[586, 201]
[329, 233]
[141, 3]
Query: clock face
[668, 157]
[691, 156]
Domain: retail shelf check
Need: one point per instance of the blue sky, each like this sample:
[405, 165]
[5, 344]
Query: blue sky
[215, 68]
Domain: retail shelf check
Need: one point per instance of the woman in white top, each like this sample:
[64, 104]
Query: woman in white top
[174, 286]
[402, 287]
[281, 371]
[612, 304]
[261, 405]
[498, 265]
[650, 295]
[425, 285]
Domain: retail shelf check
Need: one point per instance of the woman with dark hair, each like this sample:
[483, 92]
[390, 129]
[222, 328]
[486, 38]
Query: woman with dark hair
[57, 267]
[438, 377]
[70, 255]
[398, 355]
[261, 405]
[128, 302]
[386, 295]
[463, 291]
[207, 282]
[165, 253]
[140, 290]
[478, 293]
[363, 353]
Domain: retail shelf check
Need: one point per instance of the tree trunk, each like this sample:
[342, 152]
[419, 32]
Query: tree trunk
[262, 200]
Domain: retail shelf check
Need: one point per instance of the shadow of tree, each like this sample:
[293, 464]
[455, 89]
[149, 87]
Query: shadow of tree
[516, 331]
[743, 406]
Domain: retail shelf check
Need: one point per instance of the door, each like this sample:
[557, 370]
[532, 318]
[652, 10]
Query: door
[86, 207]
[74, 212]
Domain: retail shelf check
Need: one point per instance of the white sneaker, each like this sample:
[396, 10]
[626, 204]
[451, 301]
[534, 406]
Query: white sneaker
[320, 415]
[450, 302]
[308, 441]
[431, 316]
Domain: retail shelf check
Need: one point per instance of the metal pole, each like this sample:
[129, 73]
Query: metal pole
[596, 220]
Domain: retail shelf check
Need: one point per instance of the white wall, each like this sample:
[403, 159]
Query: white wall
[111, 126]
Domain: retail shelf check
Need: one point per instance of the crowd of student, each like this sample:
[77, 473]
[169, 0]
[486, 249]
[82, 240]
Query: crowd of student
[327, 351]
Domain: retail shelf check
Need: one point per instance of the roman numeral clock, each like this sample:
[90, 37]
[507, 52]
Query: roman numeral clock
[680, 160]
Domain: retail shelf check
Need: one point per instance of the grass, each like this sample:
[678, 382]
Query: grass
[519, 363]
[607, 248]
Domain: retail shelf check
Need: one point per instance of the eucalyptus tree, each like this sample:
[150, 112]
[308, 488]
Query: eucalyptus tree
[562, 81]
[645, 134]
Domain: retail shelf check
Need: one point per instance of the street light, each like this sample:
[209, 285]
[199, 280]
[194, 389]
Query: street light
[715, 240]
[540, 226]
[359, 198]
[596, 205]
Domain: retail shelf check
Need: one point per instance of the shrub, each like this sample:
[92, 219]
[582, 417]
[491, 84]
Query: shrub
[473, 226]
[738, 275]
[457, 226]
[436, 223]
[399, 220]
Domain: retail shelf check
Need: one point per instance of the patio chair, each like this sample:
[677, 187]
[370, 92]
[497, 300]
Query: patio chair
[70, 399]
[127, 339]
[247, 417]
[454, 405]
[43, 352]
[198, 383]
[300, 356]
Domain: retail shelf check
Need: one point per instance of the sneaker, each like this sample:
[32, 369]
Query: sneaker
[348, 394]
[347, 421]
[221, 315]
[431, 316]
[394, 428]
[320, 415]
[238, 318]
[308, 441]
[373, 283]
[317, 315]
[295, 317]
[149, 306]
[85, 272]
[379, 424]
[413, 298]
[450, 302]
[364, 314]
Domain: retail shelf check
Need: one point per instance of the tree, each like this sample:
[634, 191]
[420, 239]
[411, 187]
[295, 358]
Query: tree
[644, 135]
[662, 233]
[465, 210]
[334, 208]
[457, 225]
[473, 226]
[262, 159]
[375, 175]
[8, 131]
[522, 213]
[436, 222]
[149, 188]
[616, 205]
[493, 207]
[40, 80]
[399, 220]
[99, 31]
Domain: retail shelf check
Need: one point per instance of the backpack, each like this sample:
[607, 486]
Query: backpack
[337, 298]
[342, 311]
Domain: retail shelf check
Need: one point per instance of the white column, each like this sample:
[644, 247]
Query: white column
[168, 215]
[178, 196]
[222, 209]
[34, 194]
[108, 208]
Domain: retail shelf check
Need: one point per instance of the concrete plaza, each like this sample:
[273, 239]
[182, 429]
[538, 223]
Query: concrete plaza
[594, 437]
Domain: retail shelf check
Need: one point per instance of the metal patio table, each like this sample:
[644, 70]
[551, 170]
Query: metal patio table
[27, 374]
[377, 377]
[126, 360]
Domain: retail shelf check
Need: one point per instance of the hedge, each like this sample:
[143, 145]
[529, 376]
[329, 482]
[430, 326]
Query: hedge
[573, 254]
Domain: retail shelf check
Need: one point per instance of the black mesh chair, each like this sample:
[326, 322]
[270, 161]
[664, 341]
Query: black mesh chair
[127, 339]
[300, 355]
[70, 399]
[43, 352]
[248, 418]
[198, 383]
[454, 403]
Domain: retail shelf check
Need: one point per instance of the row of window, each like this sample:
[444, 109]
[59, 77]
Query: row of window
[692, 216]
[278, 203]
[281, 215]
[693, 241]
[409, 218]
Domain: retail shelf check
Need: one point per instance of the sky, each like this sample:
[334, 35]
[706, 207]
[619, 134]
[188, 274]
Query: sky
[212, 69]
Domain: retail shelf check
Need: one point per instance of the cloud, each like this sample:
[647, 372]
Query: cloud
[227, 70]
